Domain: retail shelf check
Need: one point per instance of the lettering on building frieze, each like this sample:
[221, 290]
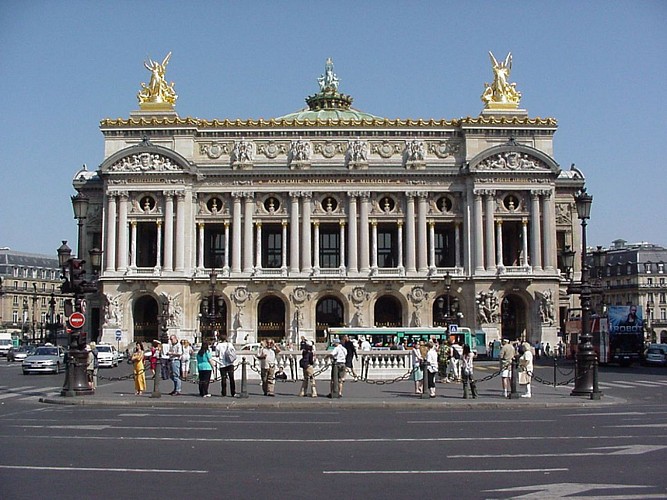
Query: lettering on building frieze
[514, 180]
[144, 162]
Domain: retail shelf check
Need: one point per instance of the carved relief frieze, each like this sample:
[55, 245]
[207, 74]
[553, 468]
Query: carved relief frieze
[215, 150]
[386, 149]
[300, 154]
[144, 162]
[357, 155]
[444, 149]
[330, 149]
[415, 155]
[243, 155]
[511, 160]
[272, 149]
[564, 214]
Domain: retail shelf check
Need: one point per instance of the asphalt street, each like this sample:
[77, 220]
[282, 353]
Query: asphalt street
[615, 448]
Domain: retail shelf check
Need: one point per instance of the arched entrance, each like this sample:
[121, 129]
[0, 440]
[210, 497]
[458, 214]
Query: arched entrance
[213, 312]
[328, 312]
[271, 319]
[513, 313]
[145, 314]
[388, 312]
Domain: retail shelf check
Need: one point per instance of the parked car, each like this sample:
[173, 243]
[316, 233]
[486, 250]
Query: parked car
[45, 359]
[251, 348]
[107, 356]
[656, 355]
[20, 353]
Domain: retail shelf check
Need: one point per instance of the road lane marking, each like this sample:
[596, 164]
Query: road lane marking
[450, 422]
[103, 469]
[107, 427]
[458, 471]
[604, 451]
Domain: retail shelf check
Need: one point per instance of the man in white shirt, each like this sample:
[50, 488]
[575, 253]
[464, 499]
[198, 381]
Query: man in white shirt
[175, 354]
[338, 356]
[226, 356]
[267, 365]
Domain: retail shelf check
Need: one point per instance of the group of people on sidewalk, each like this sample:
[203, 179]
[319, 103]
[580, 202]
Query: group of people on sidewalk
[453, 362]
[508, 353]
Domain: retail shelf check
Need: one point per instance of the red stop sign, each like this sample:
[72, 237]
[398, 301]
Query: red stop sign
[77, 320]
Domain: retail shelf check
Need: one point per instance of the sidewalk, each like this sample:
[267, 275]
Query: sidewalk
[356, 394]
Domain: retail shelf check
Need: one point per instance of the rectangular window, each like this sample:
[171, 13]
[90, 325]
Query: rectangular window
[329, 246]
[445, 251]
[272, 246]
[647, 267]
[663, 314]
[15, 317]
[15, 300]
[16, 272]
[214, 246]
[146, 244]
[661, 267]
[649, 281]
[387, 255]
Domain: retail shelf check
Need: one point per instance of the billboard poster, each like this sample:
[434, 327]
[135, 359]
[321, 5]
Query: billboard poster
[625, 319]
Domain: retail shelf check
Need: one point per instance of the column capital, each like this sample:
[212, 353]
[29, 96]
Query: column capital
[342, 223]
[168, 193]
[258, 223]
[484, 192]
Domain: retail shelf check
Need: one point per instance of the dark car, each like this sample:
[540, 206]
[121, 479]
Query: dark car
[20, 353]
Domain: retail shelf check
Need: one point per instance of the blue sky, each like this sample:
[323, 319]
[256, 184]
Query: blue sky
[598, 67]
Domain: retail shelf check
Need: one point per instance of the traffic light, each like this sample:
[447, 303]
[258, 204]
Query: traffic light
[77, 274]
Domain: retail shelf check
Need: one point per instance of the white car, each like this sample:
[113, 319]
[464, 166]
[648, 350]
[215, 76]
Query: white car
[48, 358]
[107, 356]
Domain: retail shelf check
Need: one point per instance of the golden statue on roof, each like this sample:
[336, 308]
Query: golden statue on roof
[158, 94]
[501, 94]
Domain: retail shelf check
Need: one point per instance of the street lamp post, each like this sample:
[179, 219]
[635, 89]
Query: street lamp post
[448, 287]
[164, 327]
[586, 364]
[649, 320]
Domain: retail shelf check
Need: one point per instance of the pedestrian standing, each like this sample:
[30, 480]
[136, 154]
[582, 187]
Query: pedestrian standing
[351, 354]
[154, 357]
[525, 368]
[467, 372]
[165, 361]
[96, 363]
[307, 363]
[431, 367]
[506, 357]
[175, 355]
[267, 365]
[417, 367]
[90, 365]
[226, 356]
[138, 369]
[185, 358]
[204, 368]
[338, 356]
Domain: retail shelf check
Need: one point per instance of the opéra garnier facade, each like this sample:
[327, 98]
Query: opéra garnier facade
[329, 216]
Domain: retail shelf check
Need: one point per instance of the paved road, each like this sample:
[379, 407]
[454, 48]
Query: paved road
[615, 449]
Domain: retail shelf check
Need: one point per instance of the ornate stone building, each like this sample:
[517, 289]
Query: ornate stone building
[330, 216]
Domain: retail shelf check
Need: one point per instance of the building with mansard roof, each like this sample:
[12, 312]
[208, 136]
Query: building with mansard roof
[329, 216]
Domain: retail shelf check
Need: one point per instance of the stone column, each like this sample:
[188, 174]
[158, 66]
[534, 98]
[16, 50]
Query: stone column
[226, 267]
[236, 228]
[410, 240]
[283, 249]
[111, 233]
[341, 223]
[431, 246]
[316, 245]
[200, 246]
[294, 233]
[478, 243]
[168, 230]
[374, 246]
[306, 235]
[535, 236]
[158, 257]
[122, 232]
[181, 224]
[457, 244]
[363, 233]
[258, 245]
[499, 244]
[548, 224]
[352, 264]
[399, 225]
[247, 232]
[524, 242]
[422, 245]
[489, 229]
[133, 244]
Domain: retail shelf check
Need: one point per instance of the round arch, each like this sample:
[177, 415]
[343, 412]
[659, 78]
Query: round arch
[388, 311]
[145, 312]
[329, 312]
[271, 318]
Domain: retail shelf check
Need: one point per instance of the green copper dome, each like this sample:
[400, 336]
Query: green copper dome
[328, 103]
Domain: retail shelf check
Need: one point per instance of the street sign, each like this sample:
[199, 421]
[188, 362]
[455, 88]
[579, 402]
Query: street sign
[76, 320]
[453, 328]
[119, 335]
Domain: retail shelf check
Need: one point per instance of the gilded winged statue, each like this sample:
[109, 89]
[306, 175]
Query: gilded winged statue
[158, 91]
[501, 91]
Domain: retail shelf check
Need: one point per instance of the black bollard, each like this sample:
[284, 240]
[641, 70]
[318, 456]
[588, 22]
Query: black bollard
[244, 379]
[156, 379]
[514, 394]
[425, 391]
[596, 394]
[334, 380]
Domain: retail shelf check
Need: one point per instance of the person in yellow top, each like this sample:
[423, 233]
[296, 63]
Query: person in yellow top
[139, 370]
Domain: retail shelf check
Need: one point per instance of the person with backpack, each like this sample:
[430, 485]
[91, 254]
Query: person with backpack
[226, 354]
[307, 363]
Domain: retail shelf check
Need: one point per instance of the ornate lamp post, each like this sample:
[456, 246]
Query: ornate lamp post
[649, 329]
[448, 287]
[210, 311]
[586, 366]
[164, 327]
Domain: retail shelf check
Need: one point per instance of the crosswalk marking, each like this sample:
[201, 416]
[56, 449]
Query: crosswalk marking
[28, 392]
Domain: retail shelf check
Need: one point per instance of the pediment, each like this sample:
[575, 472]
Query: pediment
[513, 158]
